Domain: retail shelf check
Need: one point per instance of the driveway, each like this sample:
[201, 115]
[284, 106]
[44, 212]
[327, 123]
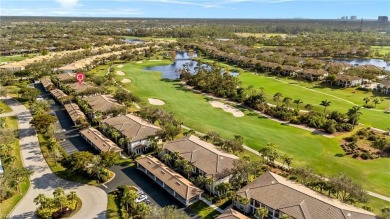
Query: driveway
[68, 136]
[134, 177]
[43, 180]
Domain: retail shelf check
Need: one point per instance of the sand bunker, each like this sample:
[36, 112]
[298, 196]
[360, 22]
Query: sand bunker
[156, 102]
[139, 62]
[227, 108]
[120, 73]
[119, 66]
[125, 80]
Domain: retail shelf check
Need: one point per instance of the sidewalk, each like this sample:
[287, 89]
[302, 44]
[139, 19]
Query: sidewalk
[43, 180]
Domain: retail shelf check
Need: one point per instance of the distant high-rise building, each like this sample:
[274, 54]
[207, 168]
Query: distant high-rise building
[383, 18]
[353, 18]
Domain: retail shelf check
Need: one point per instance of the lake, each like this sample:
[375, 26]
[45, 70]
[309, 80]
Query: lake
[377, 62]
[172, 71]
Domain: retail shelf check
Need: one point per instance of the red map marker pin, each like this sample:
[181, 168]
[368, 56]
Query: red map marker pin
[80, 77]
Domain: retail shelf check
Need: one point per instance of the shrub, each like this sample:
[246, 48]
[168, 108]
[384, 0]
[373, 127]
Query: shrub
[364, 156]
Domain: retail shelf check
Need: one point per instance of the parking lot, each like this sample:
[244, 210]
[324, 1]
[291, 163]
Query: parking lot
[67, 134]
[71, 141]
[133, 177]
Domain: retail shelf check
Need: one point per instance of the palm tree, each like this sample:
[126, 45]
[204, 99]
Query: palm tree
[261, 212]
[309, 107]
[376, 101]
[128, 198]
[366, 100]
[121, 141]
[298, 102]
[277, 97]
[187, 169]
[286, 159]
[209, 182]
[325, 104]
[59, 192]
[354, 114]
[287, 101]
[41, 200]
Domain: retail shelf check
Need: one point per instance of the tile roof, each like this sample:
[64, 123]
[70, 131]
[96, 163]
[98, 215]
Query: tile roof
[315, 71]
[345, 77]
[46, 82]
[99, 140]
[297, 200]
[74, 111]
[385, 83]
[57, 93]
[102, 103]
[79, 88]
[231, 214]
[202, 155]
[133, 127]
[175, 181]
[66, 76]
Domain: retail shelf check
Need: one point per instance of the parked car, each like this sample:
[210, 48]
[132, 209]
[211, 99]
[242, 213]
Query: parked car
[141, 198]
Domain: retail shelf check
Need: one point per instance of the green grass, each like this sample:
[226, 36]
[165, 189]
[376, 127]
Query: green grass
[151, 38]
[314, 93]
[78, 207]
[203, 210]
[7, 205]
[382, 50]
[258, 35]
[15, 58]
[113, 210]
[59, 169]
[4, 108]
[306, 148]
[376, 204]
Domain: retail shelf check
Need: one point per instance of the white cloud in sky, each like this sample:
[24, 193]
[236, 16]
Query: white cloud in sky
[67, 3]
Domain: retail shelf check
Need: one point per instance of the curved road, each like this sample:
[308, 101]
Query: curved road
[43, 180]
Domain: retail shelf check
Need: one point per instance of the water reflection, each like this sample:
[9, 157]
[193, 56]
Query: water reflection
[182, 61]
[377, 62]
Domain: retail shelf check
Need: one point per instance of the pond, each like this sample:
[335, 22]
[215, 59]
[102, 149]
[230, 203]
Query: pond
[181, 61]
[377, 62]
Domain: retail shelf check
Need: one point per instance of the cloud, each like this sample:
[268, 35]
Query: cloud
[67, 3]
[93, 12]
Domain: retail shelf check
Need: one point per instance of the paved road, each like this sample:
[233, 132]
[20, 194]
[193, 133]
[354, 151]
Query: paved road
[43, 180]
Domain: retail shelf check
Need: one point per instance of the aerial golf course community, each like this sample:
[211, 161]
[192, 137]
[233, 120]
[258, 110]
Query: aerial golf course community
[164, 121]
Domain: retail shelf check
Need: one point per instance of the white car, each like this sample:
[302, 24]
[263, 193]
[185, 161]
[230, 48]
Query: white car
[141, 198]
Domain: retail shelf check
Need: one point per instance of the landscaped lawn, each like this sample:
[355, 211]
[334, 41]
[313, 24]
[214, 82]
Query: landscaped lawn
[60, 170]
[4, 108]
[341, 99]
[203, 210]
[7, 205]
[306, 148]
[383, 50]
[15, 58]
[113, 211]
[151, 38]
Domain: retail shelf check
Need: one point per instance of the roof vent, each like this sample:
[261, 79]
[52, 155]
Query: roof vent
[149, 162]
[273, 182]
[162, 172]
[178, 183]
